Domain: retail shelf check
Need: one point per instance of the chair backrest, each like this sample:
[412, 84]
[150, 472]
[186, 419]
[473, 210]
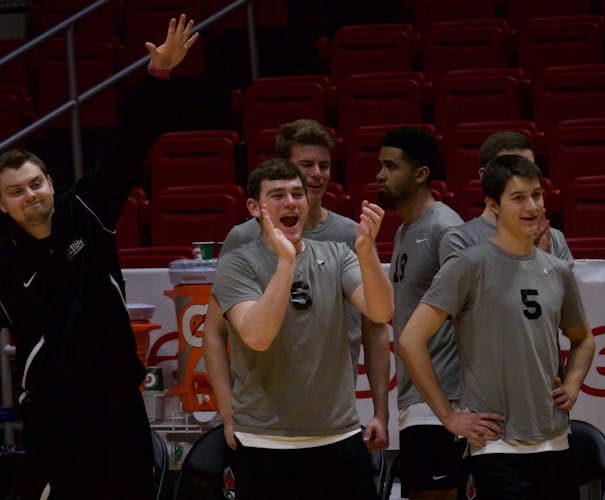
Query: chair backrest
[558, 43]
[160, 466]
[588, 445]
[427, 12]
[462, 145]
[569, 93]
[268, 105]
[96, 60]
[369, 49]
[476, 95]
[203, 472]
[179, 219]
[521, 11]
[379, 99]
[584, 207]
[193, 158]
[576, 149]
[465, 45]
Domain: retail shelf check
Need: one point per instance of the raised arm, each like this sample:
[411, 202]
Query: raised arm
[374, 297]
[413, 350]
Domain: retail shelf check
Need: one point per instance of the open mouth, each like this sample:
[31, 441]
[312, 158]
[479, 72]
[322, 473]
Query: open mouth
[289, 220]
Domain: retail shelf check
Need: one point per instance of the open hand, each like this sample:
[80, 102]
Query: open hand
[175, 47]
[275, 238]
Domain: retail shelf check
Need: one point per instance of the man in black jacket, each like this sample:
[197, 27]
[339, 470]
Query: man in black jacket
[61, 294]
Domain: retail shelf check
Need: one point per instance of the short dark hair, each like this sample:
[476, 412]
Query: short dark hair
[502, 141]
[301, 132]
[498, 172]
[273, 170]
[15, 159]
[418, 147]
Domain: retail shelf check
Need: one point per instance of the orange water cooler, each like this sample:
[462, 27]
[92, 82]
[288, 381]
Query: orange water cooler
[192, 280]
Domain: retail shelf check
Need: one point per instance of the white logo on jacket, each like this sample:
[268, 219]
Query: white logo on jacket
[74, 248]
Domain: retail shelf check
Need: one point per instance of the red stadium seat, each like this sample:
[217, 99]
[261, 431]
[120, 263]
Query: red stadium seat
[568, 93]
[576, 149]
[95, 61]
[462, 146]
[477, 95]
[520, 11]
[428, 12]
[130, 230]
[193, 158]
[17, 71]
[370, 49]
[266, 105]
[584, 207]
[184, 218]
[234, 190]
[466, 45]
[146, 257]
[559, 42]
[379, 99]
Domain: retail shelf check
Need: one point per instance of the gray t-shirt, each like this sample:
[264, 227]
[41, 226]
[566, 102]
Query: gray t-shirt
[507, 310]
[414, 263]
[334, 228]
[479, 230]
[301, 385]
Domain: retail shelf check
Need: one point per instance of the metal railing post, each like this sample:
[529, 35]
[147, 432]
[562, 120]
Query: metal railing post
[76, 134]
[252, 43]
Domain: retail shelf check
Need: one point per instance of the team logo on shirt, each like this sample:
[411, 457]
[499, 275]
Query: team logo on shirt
[74, 248]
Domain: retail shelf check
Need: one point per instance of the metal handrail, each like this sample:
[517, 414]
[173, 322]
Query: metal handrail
[76, 100]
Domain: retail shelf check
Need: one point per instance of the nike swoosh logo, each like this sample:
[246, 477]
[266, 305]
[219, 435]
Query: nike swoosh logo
[436, 478]
[28, 282]
[321, 261]
[420, 240]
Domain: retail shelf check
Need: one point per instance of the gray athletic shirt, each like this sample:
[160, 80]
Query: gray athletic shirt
[414, 263]
[334, 228]
[507, 310]
[301, 385]
[479, 230]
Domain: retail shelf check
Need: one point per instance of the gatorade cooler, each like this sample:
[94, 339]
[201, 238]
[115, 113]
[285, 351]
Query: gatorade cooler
[140, 316]
[192, 280]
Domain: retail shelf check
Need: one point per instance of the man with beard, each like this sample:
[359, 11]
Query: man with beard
[430, 456]
[61, 294]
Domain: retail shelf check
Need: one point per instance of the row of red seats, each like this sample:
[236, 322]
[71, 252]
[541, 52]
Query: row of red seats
[575, 148]
[516, 12]
[180, 215]
[468, 44]
[559, 93]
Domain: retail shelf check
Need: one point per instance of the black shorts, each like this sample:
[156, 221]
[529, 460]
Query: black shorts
[339, 470]
[431, 458]
[549, 475]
